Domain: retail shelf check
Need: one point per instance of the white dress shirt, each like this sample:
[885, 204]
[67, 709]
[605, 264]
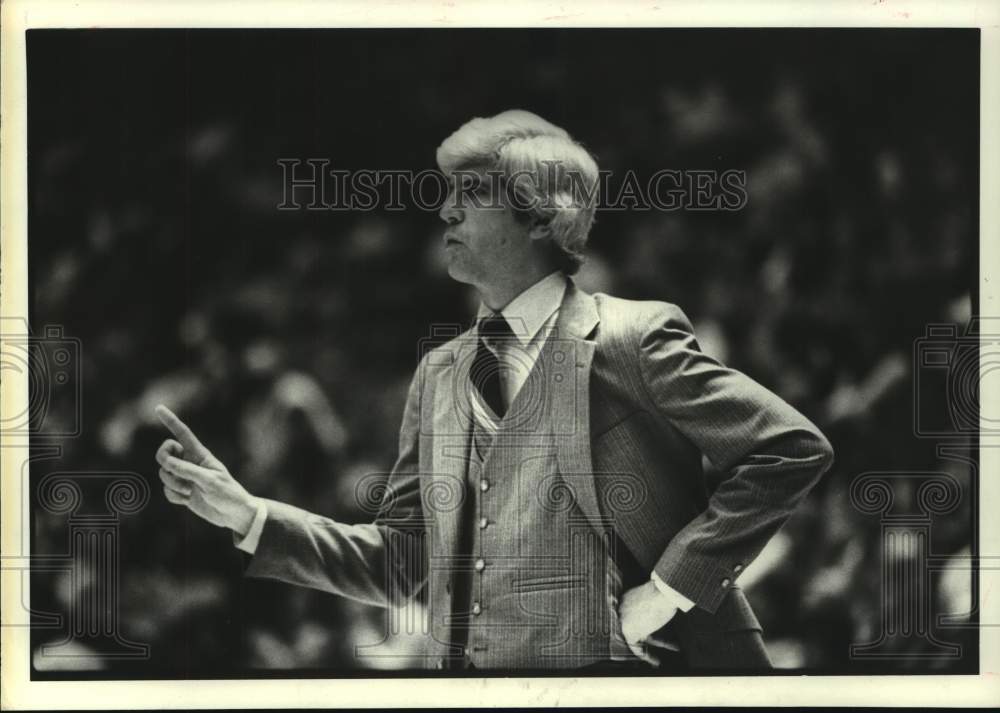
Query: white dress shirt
[532, 316]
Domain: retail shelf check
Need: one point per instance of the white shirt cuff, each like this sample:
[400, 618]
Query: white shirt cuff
[680, 601]
[249, 541]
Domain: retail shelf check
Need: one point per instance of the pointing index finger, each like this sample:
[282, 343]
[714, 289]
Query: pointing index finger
[182, 433]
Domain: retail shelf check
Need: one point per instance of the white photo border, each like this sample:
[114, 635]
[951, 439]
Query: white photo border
[18, 691]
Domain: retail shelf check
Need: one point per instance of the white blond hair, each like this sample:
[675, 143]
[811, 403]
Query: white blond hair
[555, 176]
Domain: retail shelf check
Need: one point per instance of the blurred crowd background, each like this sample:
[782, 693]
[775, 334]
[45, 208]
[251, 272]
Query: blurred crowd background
[286, 339]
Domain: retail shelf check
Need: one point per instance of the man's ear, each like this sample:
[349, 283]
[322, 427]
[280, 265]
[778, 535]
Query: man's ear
[540, 229]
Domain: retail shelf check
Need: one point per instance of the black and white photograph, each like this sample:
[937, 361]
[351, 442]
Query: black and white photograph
[451, 353]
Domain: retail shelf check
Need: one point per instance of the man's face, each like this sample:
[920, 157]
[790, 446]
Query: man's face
[484, 242]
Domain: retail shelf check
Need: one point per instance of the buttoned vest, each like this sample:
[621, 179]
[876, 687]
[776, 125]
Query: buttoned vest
[536, 584]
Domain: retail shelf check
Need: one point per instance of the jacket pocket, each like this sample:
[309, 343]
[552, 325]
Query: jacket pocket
[559, 581]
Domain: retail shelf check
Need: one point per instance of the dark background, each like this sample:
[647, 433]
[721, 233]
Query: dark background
[287, 338]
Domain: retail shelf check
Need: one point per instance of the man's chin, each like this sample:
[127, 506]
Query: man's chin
[458, 274]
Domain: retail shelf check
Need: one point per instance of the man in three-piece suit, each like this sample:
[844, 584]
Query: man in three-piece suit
[549, 502]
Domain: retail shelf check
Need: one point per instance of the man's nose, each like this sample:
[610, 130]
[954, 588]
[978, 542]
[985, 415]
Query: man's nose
[449, 213]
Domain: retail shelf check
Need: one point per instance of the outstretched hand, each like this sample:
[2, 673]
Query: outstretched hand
[193, 477]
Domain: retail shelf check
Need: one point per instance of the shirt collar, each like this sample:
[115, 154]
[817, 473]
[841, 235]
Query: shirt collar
[527, 312]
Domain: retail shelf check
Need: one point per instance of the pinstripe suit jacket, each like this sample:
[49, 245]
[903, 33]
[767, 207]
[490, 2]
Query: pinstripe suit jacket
[628, 391]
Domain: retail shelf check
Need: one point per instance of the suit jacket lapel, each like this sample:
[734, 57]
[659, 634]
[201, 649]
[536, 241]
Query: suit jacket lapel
[569, 414]
[452, 418]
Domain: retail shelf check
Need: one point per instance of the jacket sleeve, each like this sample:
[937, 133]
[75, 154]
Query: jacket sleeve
[380, 563]
[770, 455]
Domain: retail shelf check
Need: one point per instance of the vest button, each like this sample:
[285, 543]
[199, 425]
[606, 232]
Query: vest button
[483, 522]
[737, 568]
[725, 582]
[480, 565]
[477, 608]
[484, 485]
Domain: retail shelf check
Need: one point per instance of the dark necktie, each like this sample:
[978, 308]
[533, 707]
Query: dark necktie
[485, 372]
